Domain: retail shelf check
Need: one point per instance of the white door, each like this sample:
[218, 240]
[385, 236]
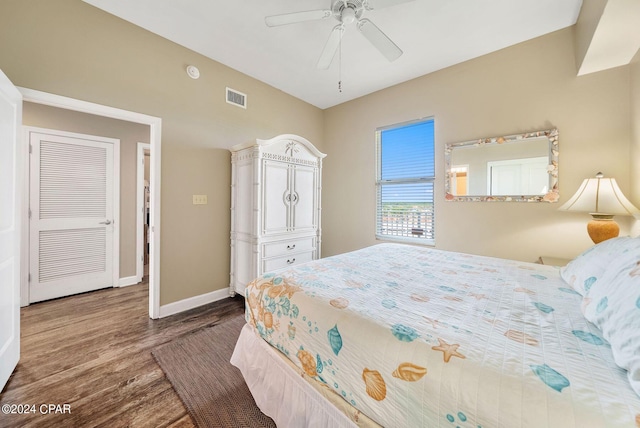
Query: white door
[10, 193]
[72, 215]
[304, 198]
[276, 197]
[537, 176]
[526, 176]
[505, 180]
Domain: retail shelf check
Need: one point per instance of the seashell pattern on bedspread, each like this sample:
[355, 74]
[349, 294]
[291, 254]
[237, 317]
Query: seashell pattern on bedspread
[413, 336]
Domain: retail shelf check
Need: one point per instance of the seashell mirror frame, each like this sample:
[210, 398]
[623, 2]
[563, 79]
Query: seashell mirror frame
[453, 171]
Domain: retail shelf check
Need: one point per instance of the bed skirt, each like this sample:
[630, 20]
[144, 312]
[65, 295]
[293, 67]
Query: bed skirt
[285, 394]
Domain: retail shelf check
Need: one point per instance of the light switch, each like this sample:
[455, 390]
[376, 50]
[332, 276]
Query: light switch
[199, 199]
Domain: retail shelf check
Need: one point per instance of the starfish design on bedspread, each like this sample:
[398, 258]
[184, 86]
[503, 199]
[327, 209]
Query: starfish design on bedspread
[448, 350]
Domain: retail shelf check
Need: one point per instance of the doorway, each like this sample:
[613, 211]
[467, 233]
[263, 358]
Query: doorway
[74, 222]
[143, 186]
[155, 125]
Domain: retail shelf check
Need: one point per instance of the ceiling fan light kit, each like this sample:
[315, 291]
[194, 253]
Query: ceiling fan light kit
[346, 12]
[348, 15]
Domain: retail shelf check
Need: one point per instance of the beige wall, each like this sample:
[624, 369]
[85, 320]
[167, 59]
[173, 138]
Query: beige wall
[129, 135]
[70, 48]
[527, 87]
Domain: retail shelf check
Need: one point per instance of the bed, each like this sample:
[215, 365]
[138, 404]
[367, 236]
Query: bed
[404, 336]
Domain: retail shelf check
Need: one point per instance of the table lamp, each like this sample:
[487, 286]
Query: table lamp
[602, 198]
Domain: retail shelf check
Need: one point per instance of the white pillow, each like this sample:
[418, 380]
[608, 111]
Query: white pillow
[583, 271]
[613, 305]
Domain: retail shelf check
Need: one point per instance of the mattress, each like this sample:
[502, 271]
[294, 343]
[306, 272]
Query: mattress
[412, 336]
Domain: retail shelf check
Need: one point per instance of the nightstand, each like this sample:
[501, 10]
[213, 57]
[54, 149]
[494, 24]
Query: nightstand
[553, 261]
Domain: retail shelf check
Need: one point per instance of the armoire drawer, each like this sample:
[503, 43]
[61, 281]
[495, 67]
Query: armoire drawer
[289, 246]
[286, 261]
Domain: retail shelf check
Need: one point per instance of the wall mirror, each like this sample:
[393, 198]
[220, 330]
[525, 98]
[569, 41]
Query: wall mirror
[512, 168]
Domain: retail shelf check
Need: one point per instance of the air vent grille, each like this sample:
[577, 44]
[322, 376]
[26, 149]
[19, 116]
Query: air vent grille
[236, 98]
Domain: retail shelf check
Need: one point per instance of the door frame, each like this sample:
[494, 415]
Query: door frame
[27, 131]
[140, 208]
[155, 131]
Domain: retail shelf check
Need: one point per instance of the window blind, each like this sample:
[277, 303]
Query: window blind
[406, 172]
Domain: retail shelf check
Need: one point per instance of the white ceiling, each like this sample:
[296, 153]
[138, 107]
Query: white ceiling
[433, 34]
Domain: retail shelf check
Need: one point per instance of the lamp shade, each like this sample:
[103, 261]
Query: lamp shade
[600, 196]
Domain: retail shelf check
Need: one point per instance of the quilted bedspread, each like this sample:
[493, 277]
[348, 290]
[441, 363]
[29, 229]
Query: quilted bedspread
[413, 336]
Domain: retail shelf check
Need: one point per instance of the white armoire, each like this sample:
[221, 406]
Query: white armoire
[275, 206]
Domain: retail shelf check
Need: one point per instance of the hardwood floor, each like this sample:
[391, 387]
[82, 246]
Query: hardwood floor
[93, 352]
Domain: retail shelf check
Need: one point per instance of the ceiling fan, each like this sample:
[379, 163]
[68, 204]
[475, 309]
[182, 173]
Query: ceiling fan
[346, 12]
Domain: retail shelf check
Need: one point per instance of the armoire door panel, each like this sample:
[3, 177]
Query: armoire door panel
[304, 198]
[242, 200]
[275, 204]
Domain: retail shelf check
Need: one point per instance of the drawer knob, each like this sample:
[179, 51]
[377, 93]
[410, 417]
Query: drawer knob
[291, 247]
[292, 261]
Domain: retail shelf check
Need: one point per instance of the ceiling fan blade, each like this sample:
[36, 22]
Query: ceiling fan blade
[292, 18]
[379, 4]
[331, 47]
[379, 40]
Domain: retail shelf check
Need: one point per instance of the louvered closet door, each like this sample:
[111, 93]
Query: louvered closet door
[71, 231]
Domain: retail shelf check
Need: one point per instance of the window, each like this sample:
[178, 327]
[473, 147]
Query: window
[405, 177]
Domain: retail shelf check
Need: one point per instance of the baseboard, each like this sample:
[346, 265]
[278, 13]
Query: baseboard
[129, 280]
[193, 302]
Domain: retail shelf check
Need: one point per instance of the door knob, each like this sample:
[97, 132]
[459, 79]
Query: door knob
[107, 222]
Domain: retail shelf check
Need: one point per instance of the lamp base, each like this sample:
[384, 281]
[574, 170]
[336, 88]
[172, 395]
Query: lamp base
[602, 228]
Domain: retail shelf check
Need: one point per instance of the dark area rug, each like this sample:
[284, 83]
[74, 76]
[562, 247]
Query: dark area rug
[213, 391]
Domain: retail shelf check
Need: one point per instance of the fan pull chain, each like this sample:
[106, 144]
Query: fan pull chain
[340, 68]
[340, 58]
